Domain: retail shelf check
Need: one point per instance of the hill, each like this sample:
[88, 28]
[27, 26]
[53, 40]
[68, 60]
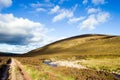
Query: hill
[99, 54]
[87, 44]
[8, 54]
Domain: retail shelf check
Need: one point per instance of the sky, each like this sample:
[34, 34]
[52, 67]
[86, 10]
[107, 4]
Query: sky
[29, 24]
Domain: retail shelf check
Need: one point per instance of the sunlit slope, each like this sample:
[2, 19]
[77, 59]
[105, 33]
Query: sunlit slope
[88, 44]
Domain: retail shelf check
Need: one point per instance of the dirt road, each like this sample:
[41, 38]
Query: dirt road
[17, 71]
[4, 70]
[14, 70]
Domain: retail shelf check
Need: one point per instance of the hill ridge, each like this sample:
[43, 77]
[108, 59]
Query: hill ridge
[79, 45]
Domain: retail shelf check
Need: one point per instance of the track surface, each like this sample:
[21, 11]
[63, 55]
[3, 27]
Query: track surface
[14, 70]
[17, 71]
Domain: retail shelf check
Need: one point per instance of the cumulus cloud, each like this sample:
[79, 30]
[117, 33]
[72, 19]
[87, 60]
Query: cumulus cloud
[62, 15]
[5, 3]
[55, 9]
[15, 48]
[38, 4]
[93, 20]
[93, 10]
[103, 17]
[40, 9]
[20, 31]
[89, 23]
[25, 48]
[74, 20]
[97, 2]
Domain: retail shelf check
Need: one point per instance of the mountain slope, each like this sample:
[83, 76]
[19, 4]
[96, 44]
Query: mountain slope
[87, 44]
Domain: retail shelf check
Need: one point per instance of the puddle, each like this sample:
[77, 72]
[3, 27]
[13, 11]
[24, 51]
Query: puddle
[116, 75]
[49, 63]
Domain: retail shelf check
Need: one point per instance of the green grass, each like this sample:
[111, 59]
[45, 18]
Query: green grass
[46, 73]
[103, 63]
[101, 54]
[3, 60]
[39, 71]
[62, 73]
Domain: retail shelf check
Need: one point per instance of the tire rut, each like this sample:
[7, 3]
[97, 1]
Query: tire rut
[18, 72]
[13, 70]
[4, 70]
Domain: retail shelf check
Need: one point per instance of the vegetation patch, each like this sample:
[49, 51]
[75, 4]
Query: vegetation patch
[103, 64]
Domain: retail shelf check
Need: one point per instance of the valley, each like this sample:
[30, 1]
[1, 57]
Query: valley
[84, 57]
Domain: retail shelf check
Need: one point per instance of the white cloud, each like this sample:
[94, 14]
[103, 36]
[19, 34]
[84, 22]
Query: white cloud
[25, 48]
[38, 4]
[21, 35]
[15, 30]
[74, 20]
[93, 10]
[5, 3]
[62, 15]
[97, 2]
[40, 9]
[103, 17]
[15, 48]
[85, 1]
[89, 23]
[55, 9]
[62, 1]
[93, 20]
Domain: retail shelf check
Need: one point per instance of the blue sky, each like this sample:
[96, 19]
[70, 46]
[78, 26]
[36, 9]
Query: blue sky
[30, 24]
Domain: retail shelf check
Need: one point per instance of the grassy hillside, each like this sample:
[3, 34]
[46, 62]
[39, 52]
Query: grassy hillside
[88, 44]
[99, 53]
